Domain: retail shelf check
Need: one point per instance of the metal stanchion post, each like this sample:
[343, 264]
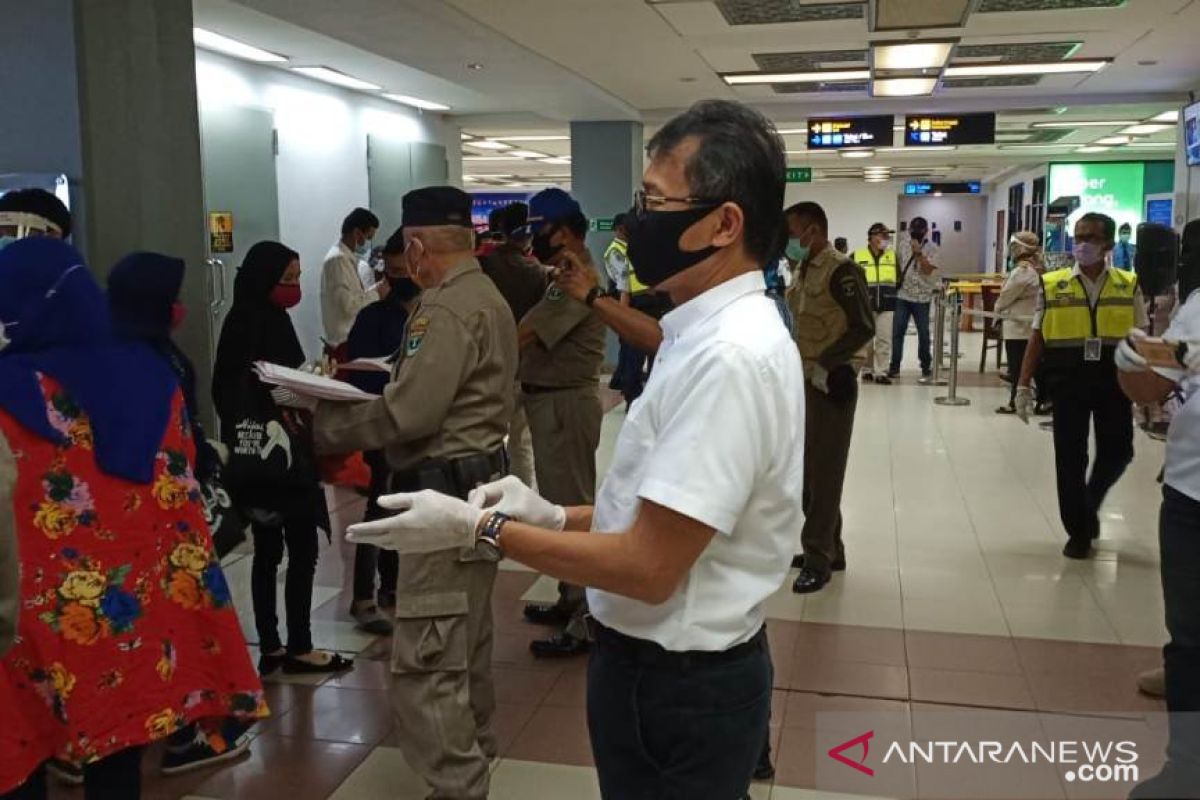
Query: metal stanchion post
[939, 337]
[952, 398]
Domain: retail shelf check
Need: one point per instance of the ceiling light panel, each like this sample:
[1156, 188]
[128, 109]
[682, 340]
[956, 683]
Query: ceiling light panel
[1092, 149]
[535, 138]
[1168, 117]
[337, 78]
[856, 153]
[1085, 123]
[1112, 140]
[903, 87]
[1038, 68]
[1144, 129]
[416, 102]
[528, 154]
[492, 158]
[1152, 145]
[232, 47]
[557, 160]
[487, 144]
[910, 55]
[903, 15]
[759, 78]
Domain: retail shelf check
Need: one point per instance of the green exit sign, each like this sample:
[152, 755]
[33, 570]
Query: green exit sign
[799, 174]
[603, 225]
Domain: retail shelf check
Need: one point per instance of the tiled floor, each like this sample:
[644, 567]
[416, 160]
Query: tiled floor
[956, 598]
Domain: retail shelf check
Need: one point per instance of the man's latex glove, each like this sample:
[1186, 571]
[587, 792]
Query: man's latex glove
[1024, 403]
[511, 497]
[1191, 359]
[286, 398]
[1127, 357]
[425, 522]
[819, 378]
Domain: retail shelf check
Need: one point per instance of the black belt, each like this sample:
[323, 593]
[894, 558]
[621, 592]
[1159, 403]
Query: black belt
[453, 476]
[533, 388]
[652, 654]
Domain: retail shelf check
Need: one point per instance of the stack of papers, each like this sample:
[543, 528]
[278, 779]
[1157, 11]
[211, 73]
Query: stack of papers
[309, 384]
[367, 365]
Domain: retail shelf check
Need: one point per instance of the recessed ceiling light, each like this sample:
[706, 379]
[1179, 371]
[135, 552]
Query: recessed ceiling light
[829, 76]
[1152, 144]
[528, 154]
[466, 137]
[474, 66]
[488, 144]
[337, 78]
[1092, 149]
[792, 131]
[557, 137]
[1043, 68]
[911, 55]
[934, 148]
[902, 87]
[1111, 140]
[557, 160]
[232, 47]
[1086, 123]
[1144, 129]
[856, 153]
[416, 102]
[1171, 116]
[876, 180]
[492, 158]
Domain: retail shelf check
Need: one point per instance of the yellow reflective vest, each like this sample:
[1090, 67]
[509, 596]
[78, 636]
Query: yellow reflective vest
[883, 272]
[635, 286]
[1069, 319]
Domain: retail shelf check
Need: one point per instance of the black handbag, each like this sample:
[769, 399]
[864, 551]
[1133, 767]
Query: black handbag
[269, 446]
[225, 522]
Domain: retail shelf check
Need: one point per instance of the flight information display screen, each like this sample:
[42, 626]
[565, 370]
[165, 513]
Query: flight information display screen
[940, 130]
[832, 133]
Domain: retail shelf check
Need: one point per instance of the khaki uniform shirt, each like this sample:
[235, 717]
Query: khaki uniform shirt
[10, 588]
[451, 390]
[570, 341]
[831, 311]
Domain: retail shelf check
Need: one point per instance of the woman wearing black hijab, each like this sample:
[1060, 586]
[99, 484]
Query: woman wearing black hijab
[258, 328]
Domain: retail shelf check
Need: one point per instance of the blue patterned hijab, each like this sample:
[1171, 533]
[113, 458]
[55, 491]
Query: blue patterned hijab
[57, 323]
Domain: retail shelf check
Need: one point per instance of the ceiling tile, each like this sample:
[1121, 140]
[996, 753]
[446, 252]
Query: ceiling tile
[777, 12]
[810, 61]
[903, 15]
[1015, 52]
[995, 6]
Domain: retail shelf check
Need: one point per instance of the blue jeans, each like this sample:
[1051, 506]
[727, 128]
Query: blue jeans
[918, 312]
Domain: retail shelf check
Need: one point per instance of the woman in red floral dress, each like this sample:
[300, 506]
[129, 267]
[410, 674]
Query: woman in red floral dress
[127, 631]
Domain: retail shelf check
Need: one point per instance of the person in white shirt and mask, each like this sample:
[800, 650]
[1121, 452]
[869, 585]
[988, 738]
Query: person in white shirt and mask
[695, 524]
[342, 292]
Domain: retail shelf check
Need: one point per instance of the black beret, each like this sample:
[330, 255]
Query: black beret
[437, 205]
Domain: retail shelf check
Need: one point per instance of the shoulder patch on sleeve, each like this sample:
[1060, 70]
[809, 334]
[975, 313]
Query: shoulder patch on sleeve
[554, 293]
[416, 335]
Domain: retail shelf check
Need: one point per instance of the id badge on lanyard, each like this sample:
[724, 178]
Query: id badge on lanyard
[1091, 349]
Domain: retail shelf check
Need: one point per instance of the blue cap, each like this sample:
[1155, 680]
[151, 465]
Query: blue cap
[551, 205]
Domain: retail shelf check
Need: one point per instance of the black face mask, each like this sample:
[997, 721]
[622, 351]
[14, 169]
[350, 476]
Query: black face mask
[403, 289]
[918, 232]
[653, 238]
[543, 251]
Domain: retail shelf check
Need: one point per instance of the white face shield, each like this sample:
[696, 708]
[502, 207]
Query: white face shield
[21, 224]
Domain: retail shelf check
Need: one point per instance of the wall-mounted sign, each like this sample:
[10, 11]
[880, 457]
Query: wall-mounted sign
[601, 224]
[1112, 188]
[220, 232]
[964, 187]
[935, 130]
[799, 174]
[836, 132]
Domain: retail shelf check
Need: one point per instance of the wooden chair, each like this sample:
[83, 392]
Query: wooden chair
[993, 338]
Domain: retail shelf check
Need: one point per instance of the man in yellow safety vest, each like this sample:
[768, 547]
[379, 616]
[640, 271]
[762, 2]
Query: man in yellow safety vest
[878, 262]
[1083, 313]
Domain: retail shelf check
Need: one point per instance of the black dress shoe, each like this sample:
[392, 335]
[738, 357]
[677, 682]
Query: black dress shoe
[809, 581]
[868, 377]
[541, 614]
[765, 771]
[1078, 549]
[883, 380]
[838, 565]
[560, 645]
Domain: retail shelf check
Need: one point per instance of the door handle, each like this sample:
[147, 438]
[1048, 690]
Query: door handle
[219, 294]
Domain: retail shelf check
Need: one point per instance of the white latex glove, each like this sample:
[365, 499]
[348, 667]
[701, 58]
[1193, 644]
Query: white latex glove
[1127, 357]
[511, 497]
[425, 522]
[1024, 403]
[819, 378]
[288, 399]
[1191, 359]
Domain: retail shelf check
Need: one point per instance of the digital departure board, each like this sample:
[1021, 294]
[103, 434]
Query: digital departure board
[837, 132]
[934, 130]
[966, 187]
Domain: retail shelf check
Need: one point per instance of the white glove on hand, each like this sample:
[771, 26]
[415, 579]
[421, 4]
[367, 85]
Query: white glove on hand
[1127, 357]
[511, 497]
[427, 521]
[1024, 403]
[288, 399]
[819, 378]
[1191, 359]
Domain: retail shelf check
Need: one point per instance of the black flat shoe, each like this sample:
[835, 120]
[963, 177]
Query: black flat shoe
[1078, 549]
[268, 664]
[809, 581]
[541, 614]
[296, 666]
[868, 377]
[883, 380]
[561, 645]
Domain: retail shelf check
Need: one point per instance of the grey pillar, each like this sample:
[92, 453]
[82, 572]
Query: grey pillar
[606, 168]
[105, 92]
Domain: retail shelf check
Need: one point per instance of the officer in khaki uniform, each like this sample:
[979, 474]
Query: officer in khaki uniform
[441, 422]
[562, 347]
[832, 321]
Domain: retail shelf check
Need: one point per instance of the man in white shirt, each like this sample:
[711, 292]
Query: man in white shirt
[694, 526]
[1179, 541]
[920, 278]
[342, 292]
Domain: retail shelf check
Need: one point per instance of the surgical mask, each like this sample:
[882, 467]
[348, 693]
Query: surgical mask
[363, 250]
[884, 244]
[4, 328]
[5, 241]
[1125, 238]
[285, 295]
[654, 243]
[796, 252]
[178, 314]
[543, 251]
[1087, 253]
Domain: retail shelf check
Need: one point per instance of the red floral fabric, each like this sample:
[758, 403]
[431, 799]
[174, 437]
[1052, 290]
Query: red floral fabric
[127, 629]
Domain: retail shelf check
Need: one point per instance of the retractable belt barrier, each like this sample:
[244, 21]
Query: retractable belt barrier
[954, 299]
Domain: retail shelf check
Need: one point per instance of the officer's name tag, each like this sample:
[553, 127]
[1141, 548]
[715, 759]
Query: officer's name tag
[1091, 349]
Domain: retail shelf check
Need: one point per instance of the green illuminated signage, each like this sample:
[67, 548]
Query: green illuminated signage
[799, 175]
[1115, 189]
